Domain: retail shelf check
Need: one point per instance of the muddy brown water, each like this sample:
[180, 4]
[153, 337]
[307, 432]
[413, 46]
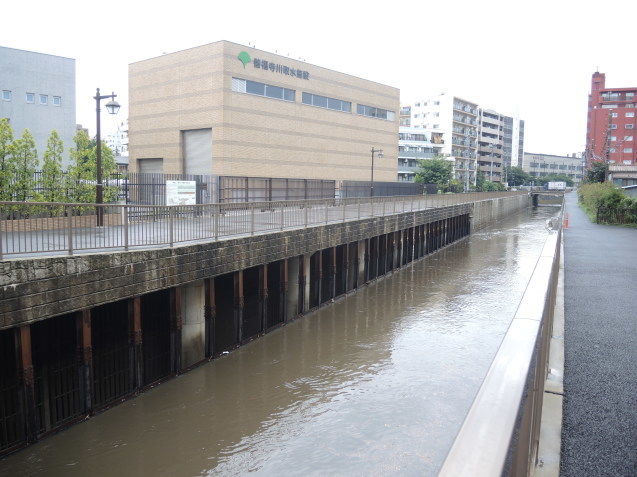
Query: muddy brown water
[377, 383]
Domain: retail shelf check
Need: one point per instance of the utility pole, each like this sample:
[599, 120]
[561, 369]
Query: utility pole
[608, 132]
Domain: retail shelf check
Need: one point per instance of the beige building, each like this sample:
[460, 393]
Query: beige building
[227, 109]
[544, 165]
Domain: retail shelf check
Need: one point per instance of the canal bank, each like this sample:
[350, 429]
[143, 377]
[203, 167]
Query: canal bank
[362, 384]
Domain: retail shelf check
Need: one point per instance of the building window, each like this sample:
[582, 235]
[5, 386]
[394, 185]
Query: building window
[262, 89]
[6, 95]
[628, 138]
[612, 149]
[324, 102]
[375, 112]
[630, 126]
[613, 115]
[57, 101]
[30, 98]
[44, 99]
[613, 126]
[628, 149]
[630, 115]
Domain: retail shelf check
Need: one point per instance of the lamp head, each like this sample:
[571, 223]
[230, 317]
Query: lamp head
[112, 107]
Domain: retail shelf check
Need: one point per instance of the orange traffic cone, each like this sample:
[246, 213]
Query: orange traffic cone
[566, 221]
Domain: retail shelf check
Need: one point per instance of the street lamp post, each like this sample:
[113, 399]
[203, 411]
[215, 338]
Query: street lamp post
[380, 156]
[112, 107]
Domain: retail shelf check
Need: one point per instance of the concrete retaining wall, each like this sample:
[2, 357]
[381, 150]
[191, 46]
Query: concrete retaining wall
[40, 288]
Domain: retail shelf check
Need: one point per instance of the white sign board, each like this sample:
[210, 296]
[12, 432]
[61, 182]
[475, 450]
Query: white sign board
[181, 193]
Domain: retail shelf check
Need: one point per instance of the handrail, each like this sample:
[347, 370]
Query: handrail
[500, 433]
[53, 228]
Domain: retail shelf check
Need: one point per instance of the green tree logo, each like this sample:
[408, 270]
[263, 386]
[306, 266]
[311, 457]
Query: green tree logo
[244, 57]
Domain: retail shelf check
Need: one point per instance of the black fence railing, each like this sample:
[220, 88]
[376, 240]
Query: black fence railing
[350, 189]
[266, 189]
[619, 216]
[141, 188]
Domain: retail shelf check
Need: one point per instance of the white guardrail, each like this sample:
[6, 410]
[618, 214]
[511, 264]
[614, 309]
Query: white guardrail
[500, 434]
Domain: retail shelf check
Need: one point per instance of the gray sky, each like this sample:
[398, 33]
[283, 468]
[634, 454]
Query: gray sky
[531, 58]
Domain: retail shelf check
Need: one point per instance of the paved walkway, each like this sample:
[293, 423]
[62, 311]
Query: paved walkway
[599, 433]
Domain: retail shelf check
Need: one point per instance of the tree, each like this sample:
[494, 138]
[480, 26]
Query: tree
[480, 180]
[6, 163]
[596, 172]
[25, 161]
[434, 171]
[52, 176]
[516, 176]
[83, 173]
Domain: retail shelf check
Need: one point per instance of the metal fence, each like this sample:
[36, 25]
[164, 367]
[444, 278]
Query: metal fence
[261, 189]
[348, 189]
[52, 228]
[616, 216]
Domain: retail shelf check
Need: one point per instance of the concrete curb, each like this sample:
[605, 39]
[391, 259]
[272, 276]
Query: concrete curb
[549, 450]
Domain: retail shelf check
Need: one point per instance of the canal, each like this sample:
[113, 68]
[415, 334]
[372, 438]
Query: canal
[376, 384]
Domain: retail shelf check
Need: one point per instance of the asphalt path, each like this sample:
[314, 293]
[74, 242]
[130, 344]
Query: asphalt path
[599, 432]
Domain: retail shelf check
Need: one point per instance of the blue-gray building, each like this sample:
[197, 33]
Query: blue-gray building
[38, 93]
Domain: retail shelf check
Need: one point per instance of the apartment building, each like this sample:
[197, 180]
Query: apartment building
[457, 121]
[415, 144]
[38, 94]
[500, 144]
[229, 109]
[611, 124]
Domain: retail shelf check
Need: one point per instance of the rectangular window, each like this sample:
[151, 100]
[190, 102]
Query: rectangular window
[630, 115]
[628, 149]
[628, 138]
[261, 89]
[30, 98]
[372, 112]
[44, 99]
[614, 115]
[57, 101]
[325, 102]
[613, 126]
[630, 126]
[6, 95]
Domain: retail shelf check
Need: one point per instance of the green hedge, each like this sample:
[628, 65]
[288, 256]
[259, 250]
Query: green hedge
[606, 196]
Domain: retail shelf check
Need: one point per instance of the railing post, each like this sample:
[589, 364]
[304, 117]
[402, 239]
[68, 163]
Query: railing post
[327, 212]
[125, 209]
[170, 226]
[216, 212]
[384, 202]
[305, 213]
[69, 215]
[282, 215]
[359, 208]
[251, 220]
[344, 210]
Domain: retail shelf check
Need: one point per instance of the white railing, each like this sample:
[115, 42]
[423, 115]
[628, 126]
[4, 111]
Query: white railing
[31, 229]
[500, 434]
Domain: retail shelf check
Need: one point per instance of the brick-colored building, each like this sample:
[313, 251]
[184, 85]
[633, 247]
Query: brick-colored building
[612, 126]
[229, 109]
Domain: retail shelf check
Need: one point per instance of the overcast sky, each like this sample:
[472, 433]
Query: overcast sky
[530, 58]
